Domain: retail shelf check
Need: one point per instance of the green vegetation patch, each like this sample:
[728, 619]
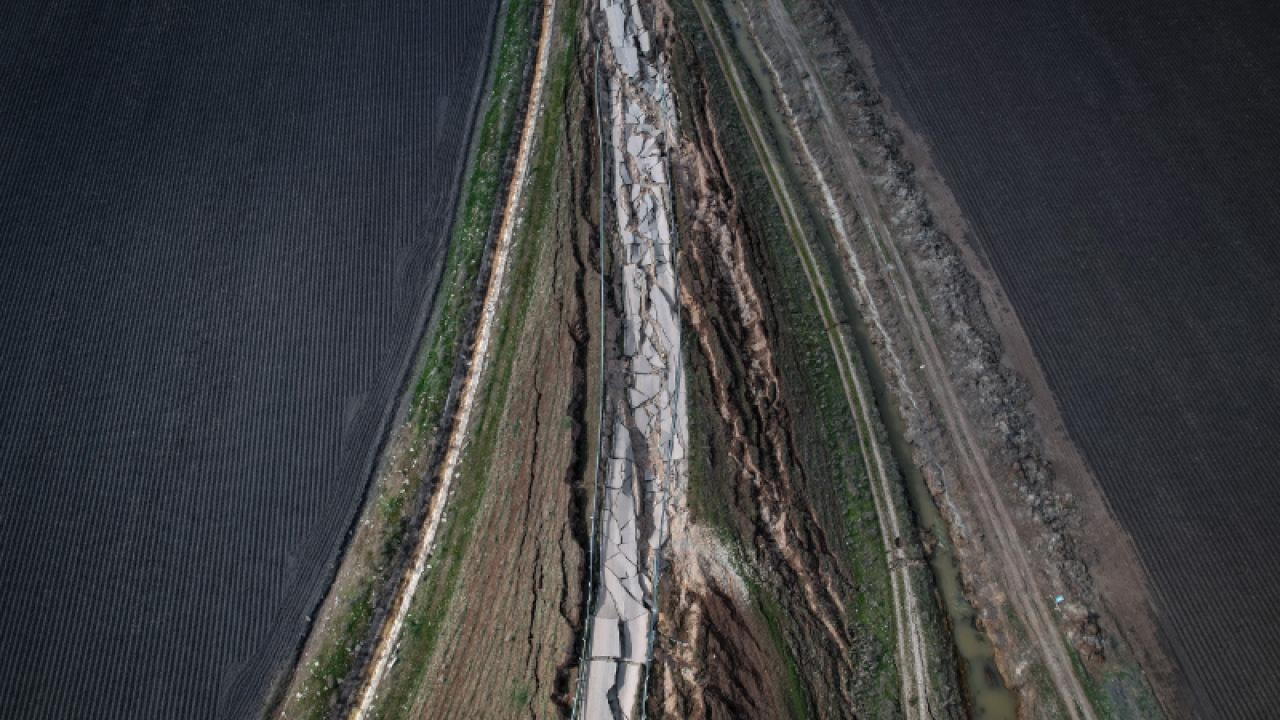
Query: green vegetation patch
[1121, 693]
[798, 705]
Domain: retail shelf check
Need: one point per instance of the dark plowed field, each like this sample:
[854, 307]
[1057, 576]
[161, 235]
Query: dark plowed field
[1119, 161]
[221, 225]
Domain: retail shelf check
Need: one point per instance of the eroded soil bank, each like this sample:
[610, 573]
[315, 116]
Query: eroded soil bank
[783, 594]
[783, 603]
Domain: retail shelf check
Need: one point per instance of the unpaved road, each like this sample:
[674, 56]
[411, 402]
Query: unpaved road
[1021, 581]
[912, 648]
[384, 650]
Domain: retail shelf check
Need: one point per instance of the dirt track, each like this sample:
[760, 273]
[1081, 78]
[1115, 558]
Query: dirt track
[913, 661]
[1020, 578]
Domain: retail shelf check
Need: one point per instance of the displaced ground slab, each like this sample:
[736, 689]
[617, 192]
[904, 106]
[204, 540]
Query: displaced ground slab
[223, 226]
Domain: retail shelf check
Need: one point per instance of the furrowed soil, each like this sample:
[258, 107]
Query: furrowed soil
[224, 225]
[333, 665]
[1107, 166]
[778, 601]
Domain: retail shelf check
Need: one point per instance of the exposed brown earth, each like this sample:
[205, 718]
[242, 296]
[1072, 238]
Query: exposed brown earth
[766, 514]
[751, 424]
[509, 634]
[509, 639]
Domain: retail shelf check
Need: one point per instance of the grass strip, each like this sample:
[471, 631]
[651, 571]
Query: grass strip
[472, 225]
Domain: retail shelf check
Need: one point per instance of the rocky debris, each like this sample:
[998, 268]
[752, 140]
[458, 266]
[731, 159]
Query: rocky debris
[996, 398]
[1084, 631]
[646, 467]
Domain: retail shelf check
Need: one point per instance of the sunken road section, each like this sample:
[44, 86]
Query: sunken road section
[223, 224]
[1117, 162]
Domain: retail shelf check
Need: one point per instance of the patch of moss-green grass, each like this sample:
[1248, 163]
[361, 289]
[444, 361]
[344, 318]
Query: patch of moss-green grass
[475, 214]
[1121, 693]
[710, 488]
[331, 666]
[520, 695]
[797, 697]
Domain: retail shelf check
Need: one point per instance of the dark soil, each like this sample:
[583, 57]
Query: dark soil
[223, 227]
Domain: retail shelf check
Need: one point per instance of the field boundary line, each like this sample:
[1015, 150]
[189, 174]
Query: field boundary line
[387, 639]
[905, 613]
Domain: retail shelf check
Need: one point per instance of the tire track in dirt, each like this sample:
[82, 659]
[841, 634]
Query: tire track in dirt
[912, 660]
